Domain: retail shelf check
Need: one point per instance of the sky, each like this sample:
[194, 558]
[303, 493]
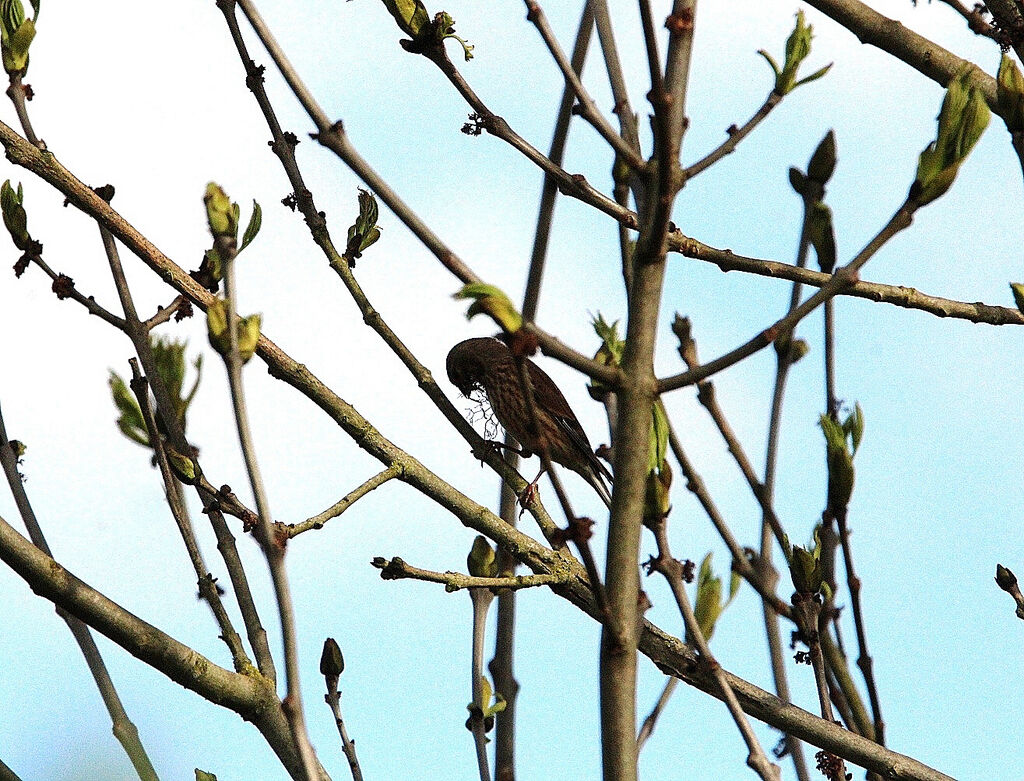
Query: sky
[151, 98]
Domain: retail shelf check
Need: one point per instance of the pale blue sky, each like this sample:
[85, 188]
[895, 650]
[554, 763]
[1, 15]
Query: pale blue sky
[150, 97]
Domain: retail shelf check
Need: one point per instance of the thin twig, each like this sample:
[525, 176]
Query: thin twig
[143, 348]
[70, 291]
[864, 661]
[348, 746]
[784, 362]
[708, 399]
[810, 617]
[273, 548]
[482, 599]
[176, 503]
[124, 729]
[616, 78]
[672, 569]
[501, 665]
[321, 235]
[839, 281]
[906, 297]
[164, 314]
[736, 135]
[574, 185]
[753, 573]
[587, 107]
[975, 18]
[17, 93]
[397, 569]
[317, 521]
[647, 728]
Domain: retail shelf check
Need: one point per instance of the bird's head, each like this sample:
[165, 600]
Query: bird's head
[470, 360]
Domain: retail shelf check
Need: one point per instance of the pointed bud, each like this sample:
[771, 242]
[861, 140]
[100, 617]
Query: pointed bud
[823, 161]
[221, 214]
[184, 468]
[481, 560]
[683, 330]
[1005, 579]
[332, 663]
[805, 570]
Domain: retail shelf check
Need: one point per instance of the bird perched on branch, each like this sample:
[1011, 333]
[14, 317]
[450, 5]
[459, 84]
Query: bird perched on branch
[488, 364]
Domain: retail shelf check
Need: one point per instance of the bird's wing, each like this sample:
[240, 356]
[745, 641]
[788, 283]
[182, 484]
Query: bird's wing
[558, 407]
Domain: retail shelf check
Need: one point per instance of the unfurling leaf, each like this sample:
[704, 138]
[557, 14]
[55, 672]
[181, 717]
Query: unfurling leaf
[364, 230]
[490, 300]
[798, 46]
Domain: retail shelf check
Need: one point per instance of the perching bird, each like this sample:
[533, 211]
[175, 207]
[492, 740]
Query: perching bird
[488, 364]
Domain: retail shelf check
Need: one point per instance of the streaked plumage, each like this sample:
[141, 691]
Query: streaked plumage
[488, 364]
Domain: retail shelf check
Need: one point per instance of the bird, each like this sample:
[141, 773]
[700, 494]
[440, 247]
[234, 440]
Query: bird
[487, 364]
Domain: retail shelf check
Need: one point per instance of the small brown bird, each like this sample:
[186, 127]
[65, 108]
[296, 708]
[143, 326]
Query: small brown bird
[487, 364]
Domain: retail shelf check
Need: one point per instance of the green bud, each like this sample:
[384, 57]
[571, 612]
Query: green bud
[18, 447]
[217, 326]
[130, 421]
[1010, 94]
[16, 34]
[15, 218]
[364, 230]
[481, 560]
[798, 349]
[853, 426]
[823, 161]
[839, 458]
[962, 119]
[798, 45]
[609, 353]
[657, 504]
[805, 570]
[822, 236]
[221, 214]
[249, 336]
[1005, 579]
[708, 606]
[184, 468]
[1018, 294]
[493, 302]
[657, 437]
[12, 15]
[202, 775]
[248, 329]
[332, 663]
[14, 48]
[411, 15]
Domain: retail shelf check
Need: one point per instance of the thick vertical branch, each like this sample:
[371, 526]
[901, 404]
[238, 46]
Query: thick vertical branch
[636, 397]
